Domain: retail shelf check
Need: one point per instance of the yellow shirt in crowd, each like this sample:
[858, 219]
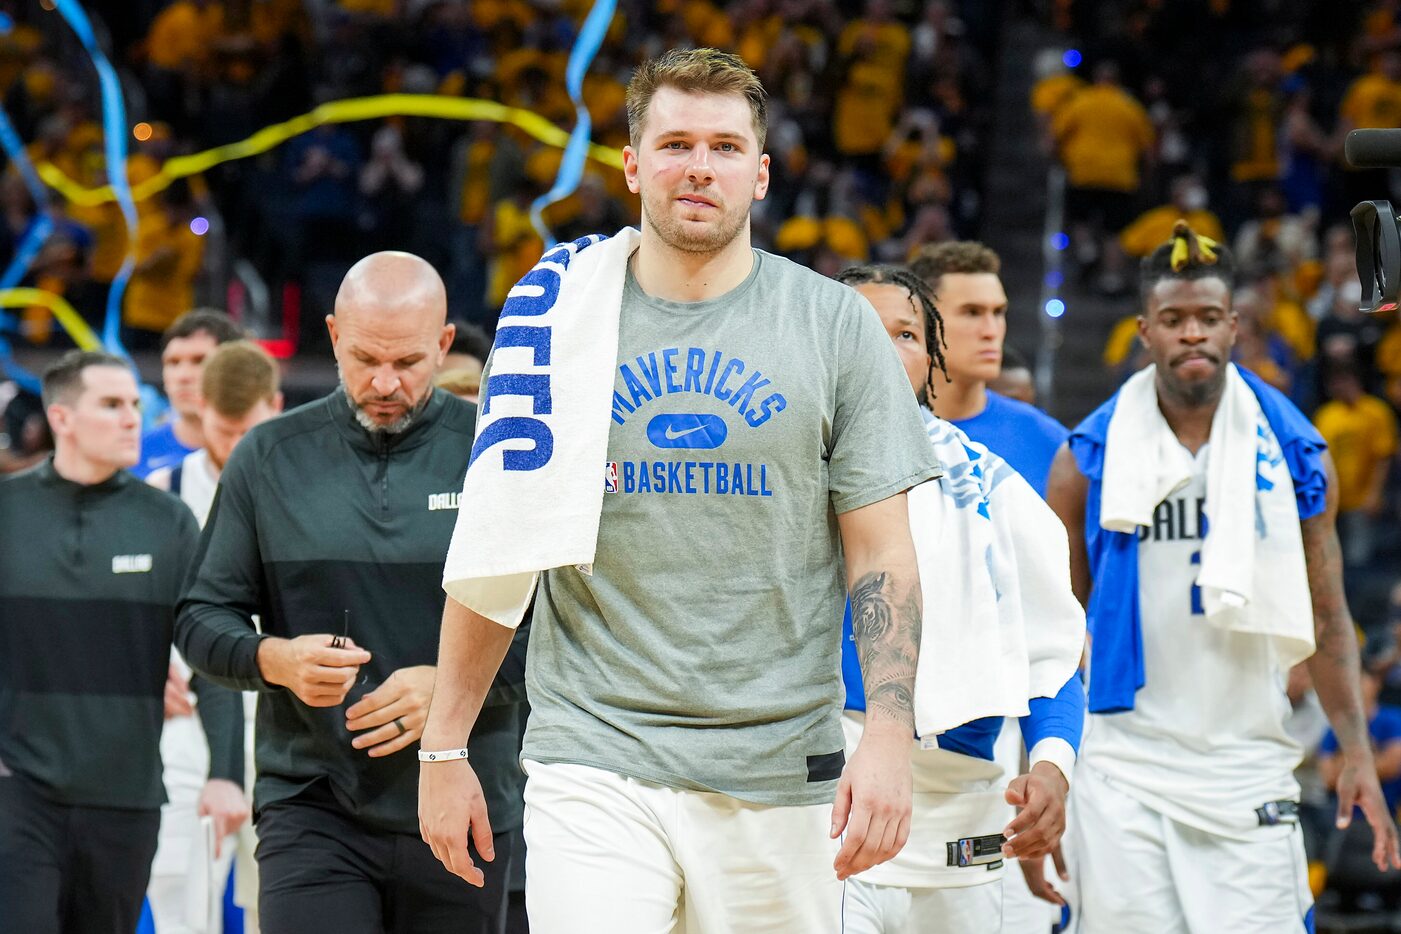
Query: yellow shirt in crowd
[867, 106]
[166, 290]
[1102, 134]
[1360, 437]
[1372, 101]
[183, 33]
[1154, 228]
[1054, 91]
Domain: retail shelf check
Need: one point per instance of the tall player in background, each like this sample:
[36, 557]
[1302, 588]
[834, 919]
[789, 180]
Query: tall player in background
[950, 876]
[184, 347]
[964, 278]
[239, 387]
[1201, 505]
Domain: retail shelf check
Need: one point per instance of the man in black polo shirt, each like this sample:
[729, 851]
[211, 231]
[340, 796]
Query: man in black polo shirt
[331, 523]
[91, 565]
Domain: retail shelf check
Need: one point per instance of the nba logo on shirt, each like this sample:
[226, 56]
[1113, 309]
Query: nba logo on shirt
[610, 477]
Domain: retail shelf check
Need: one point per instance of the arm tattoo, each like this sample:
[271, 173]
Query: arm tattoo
[887, 631]
[1334, 664]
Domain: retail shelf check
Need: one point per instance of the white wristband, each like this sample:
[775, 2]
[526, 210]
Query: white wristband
[442, 755]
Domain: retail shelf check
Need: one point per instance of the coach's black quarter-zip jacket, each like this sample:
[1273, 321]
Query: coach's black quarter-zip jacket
[314, 517]
[89, 579]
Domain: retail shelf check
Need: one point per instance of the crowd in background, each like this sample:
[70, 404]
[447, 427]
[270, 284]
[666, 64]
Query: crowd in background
[878, 116]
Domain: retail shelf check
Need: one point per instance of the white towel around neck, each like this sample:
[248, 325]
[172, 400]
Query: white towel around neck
[551, 427]
[1253, 577]
[1001, 623]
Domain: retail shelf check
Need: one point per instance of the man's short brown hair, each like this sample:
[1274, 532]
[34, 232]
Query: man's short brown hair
[211, 321]
[707, 71]
[62, 382]
[237, 376]
[936, 260]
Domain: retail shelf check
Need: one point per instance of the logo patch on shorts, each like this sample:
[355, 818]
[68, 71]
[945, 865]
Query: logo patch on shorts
[131, 564]
[977, 851]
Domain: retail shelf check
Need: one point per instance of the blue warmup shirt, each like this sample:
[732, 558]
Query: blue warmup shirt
[1027, 438]
[1021, 434]
[160, 448]
[1062, 716]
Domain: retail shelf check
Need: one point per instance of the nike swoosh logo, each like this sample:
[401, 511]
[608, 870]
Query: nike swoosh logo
[673, 435]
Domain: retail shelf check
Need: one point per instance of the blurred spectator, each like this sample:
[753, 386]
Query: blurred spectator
[1361, 433]
[1273, 234]
[1372, 101]
[388, 181]
[1385, 659]
[1103, 136]
[1153, 228]
[597, 212]
[470, 348]
[1347, 336]
[168, 257]
[25, 438]
[1281, 313]
[1257, 349]
[1303, 150]
[1055, 86]
[1016, 381]
[322, 166]
[1339, 271]
[1384, 726]
[1258, 106]
[461, 372]
[871, 55]
[185, 346]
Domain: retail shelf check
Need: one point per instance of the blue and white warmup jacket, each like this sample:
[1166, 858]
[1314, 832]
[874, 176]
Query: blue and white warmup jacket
[1002, 638]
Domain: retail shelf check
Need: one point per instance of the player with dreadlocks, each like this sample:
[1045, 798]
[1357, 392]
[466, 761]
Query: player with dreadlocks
[1200, 505]
[922, 311]
[1005, 636]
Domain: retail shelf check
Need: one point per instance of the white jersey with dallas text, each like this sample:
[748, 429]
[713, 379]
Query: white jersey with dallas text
[1206, 743]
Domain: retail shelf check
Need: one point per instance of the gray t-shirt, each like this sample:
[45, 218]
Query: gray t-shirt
[703, 651]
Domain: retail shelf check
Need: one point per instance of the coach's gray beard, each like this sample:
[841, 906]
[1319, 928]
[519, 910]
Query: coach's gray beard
[365, 421]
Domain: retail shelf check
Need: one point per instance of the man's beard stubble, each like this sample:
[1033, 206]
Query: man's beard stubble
[674, 235]
[1195, 394]
[367, 422]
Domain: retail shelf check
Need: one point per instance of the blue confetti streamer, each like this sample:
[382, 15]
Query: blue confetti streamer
[29, 246]
[114, 143]
[571, 165]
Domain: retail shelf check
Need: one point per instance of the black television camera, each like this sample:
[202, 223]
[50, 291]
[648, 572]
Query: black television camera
[1375, 223]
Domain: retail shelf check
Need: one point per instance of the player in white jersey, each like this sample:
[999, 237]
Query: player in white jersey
[240, 389]
[1185, 804]
[949, 877]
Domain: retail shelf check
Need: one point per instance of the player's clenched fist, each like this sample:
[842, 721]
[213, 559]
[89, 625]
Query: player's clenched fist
[319, 674]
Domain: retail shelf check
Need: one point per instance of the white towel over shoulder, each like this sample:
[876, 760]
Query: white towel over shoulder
[1001, 623]
[533, 494]
[1253, 577]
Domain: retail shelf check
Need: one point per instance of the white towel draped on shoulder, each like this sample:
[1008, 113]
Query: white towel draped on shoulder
[533, 494]
[1253, 577]
[1001, 623]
